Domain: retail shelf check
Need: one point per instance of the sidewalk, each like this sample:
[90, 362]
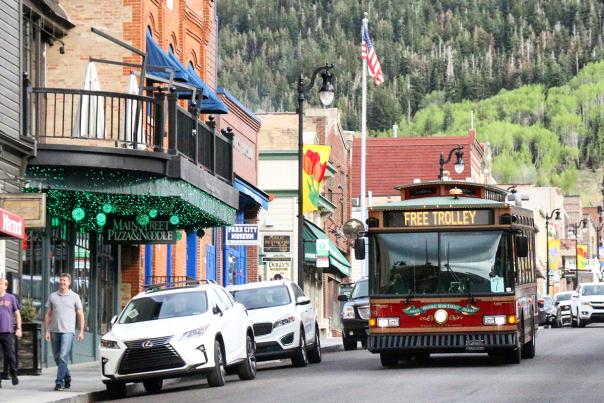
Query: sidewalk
[86, 385]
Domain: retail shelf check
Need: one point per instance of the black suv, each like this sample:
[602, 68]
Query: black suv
[355, 316]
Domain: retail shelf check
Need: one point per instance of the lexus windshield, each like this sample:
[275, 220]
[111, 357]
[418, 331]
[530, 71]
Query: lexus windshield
[441, 263]
[163, 306]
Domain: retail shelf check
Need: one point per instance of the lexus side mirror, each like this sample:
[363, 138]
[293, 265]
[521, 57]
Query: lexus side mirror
[216, 310]
[113, 320]
[342, 298]
[359, 249]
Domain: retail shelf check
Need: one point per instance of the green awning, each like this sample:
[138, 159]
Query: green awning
[337, 260]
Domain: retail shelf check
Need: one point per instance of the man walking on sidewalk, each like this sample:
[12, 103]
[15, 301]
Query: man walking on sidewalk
[60, 323]
[9, 306]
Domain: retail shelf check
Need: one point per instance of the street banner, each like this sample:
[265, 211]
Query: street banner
[554, 254]
[582, 256]
[314, 164]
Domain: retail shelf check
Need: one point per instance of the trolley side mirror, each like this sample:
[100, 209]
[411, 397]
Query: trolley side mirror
[522, 246]
[359, 249]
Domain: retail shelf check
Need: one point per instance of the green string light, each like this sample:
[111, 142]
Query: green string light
[153, 213]
[54, 221]
[142, 219]
[178, 235]
[108, 208]
[174, 220]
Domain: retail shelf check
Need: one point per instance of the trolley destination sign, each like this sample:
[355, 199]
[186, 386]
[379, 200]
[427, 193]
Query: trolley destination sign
[128, 231]
[441, 218]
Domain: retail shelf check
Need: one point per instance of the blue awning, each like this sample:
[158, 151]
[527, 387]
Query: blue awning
[252, 192]
[157, 57]
[211, 104]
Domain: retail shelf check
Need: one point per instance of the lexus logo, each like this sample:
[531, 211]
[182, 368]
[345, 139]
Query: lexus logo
[147, 344]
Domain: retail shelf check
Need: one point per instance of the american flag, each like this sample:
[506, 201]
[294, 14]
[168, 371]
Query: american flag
[368, 53]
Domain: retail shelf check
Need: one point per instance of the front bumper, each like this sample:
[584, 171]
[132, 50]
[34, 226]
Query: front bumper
[169, 360]
[442, 342]
[591, 314]
[280, 343]
[355, 329]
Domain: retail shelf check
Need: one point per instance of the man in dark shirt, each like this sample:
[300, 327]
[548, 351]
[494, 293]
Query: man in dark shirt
[9, 307]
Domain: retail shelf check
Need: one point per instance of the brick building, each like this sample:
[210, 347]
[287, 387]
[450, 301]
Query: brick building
[140, 184]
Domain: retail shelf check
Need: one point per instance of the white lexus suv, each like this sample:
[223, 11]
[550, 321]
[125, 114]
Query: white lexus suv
[285, 323]
[587, 304]
[175, 332]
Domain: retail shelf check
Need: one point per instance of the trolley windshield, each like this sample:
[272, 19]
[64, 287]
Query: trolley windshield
[441, 263]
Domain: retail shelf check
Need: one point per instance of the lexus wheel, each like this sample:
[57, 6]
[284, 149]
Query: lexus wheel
[218, 374]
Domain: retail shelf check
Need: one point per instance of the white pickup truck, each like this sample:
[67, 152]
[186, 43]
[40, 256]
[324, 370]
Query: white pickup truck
[587, 304]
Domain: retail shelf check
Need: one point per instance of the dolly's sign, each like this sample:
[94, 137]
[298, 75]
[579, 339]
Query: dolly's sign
[119, 230]
[442, 218]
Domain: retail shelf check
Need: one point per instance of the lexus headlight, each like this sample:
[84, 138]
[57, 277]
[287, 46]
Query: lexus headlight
[284, 321]
[109, 344]
[197, 332]
[348, 312]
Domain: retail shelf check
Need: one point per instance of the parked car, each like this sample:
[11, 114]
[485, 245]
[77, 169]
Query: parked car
[355, 316]
[587, 304]
[546, 311]
[175, 332]
[562, 305]
[285, 323]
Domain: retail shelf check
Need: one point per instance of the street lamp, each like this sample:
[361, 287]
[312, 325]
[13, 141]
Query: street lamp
[459, 166]
[556, 215]
[326, 95]
[575, 227]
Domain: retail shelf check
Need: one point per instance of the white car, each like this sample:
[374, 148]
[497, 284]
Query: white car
[175, 332]
[285, 323]
[587, 304]
[562, 305]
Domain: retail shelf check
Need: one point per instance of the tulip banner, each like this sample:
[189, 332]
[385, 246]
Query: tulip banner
[314, 164]
[582, 256]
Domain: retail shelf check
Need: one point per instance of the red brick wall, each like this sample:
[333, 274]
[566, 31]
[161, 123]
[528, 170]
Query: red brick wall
[132, 257]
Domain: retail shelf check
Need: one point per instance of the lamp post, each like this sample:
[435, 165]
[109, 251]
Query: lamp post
[459, 166]
[575, 230]
[554, 213]
[326, 95]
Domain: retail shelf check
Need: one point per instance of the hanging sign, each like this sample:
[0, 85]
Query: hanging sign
[322, 261]
[126, 230]
[30, 206]
[242, 234]
[322, 247]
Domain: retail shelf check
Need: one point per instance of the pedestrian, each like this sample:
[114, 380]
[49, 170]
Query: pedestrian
[60, 323]
[278, 276]
[9, 307]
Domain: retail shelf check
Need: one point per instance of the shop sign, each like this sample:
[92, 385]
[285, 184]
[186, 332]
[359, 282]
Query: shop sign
[282, 267]
[322, 261]
[242, 234]
[128, 231]
[29, 206]
[11, 225]
[322, 247]
[276, 243]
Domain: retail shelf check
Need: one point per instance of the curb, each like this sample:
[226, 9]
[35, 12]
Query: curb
[100, 395]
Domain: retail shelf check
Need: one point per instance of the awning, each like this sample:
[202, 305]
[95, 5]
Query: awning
[210, 103]
[336, 259]
[250, 193]
[157, 57]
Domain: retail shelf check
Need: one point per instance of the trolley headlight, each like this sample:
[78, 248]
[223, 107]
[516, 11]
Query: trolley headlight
[388, 322]
[348, 312]
[441, 316]
[494, 320]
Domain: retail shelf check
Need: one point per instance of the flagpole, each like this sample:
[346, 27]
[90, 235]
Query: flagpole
[363, 142]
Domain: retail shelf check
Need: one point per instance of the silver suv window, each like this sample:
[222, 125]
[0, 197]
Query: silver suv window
[162, 306]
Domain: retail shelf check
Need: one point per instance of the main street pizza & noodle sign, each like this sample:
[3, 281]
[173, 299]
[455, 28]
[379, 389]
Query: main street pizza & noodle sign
[128, 231]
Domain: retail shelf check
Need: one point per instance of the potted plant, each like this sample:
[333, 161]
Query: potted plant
[29, 347]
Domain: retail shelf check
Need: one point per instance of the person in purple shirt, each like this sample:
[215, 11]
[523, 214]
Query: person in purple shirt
[9, 307]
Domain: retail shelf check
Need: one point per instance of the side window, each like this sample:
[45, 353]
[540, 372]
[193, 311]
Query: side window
[218, 301]
[226, 297]
[297, 291]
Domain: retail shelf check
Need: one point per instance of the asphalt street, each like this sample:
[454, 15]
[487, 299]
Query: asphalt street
[569, 367]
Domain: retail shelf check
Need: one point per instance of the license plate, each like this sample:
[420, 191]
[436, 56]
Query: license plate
[475, 345]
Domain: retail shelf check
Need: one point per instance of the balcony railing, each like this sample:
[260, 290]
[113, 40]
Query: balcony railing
[109, 119]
